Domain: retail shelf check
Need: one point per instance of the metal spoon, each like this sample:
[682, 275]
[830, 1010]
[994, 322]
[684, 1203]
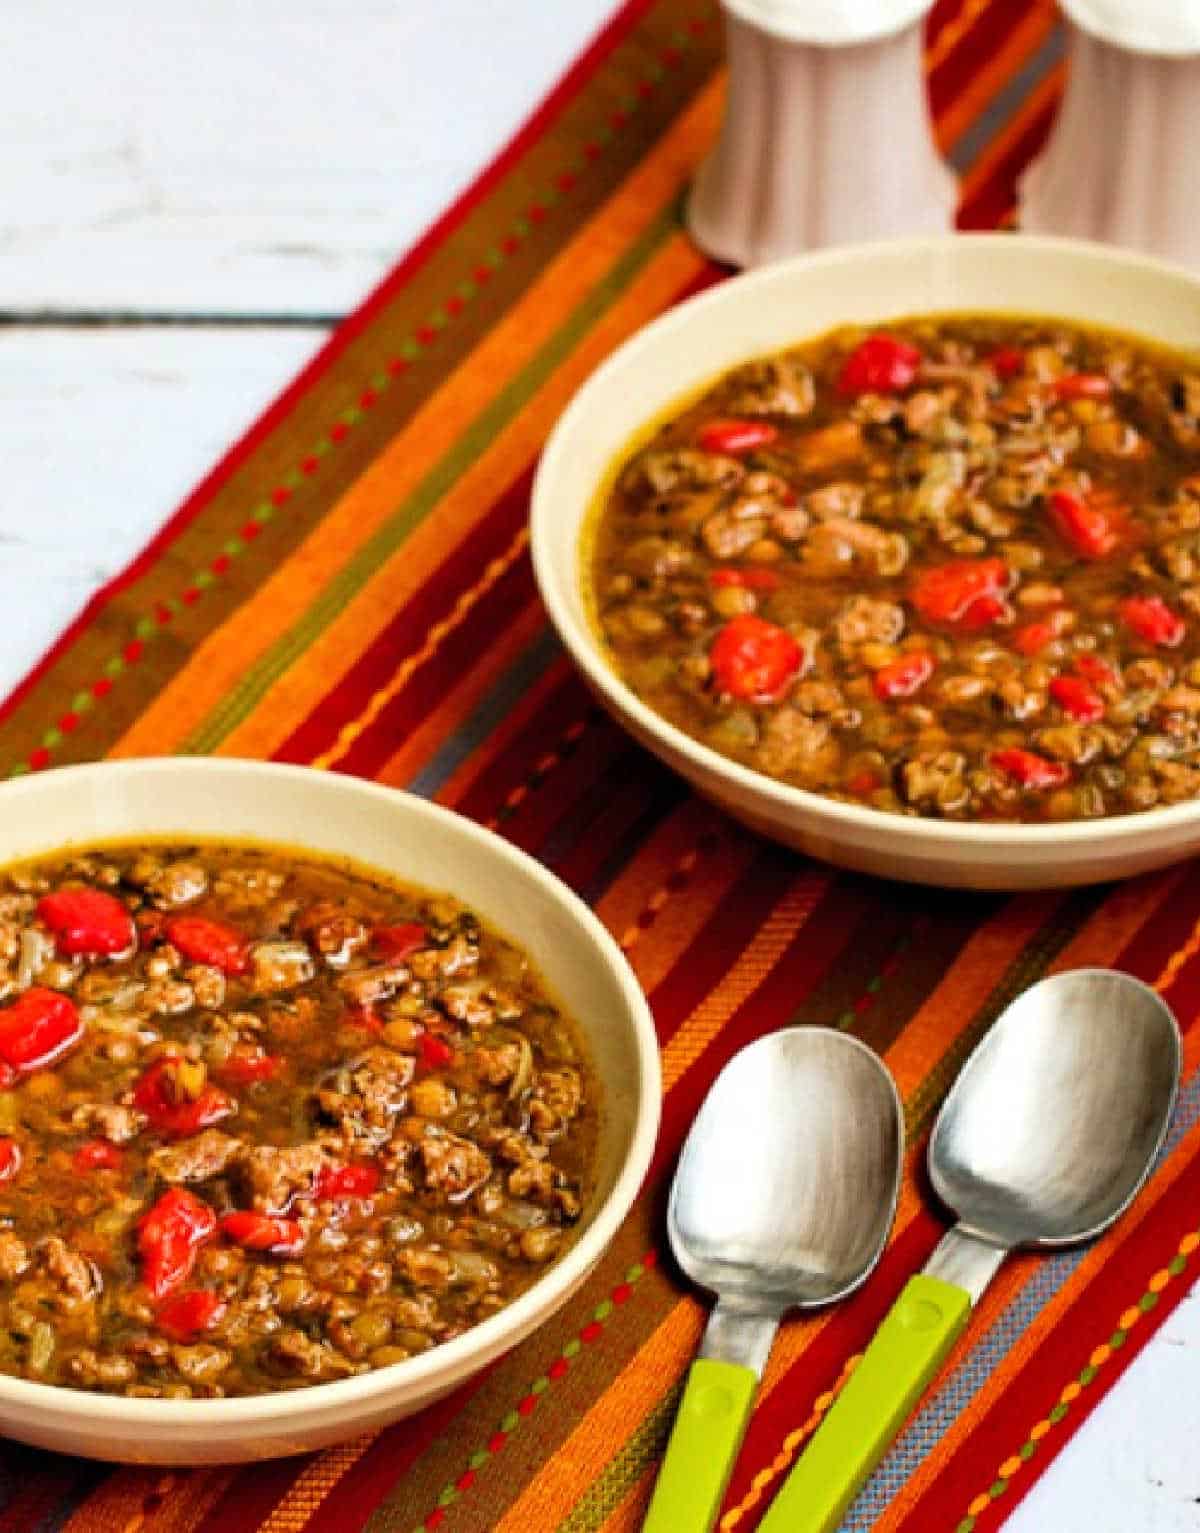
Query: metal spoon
[784, 1195]
[1048, 1134]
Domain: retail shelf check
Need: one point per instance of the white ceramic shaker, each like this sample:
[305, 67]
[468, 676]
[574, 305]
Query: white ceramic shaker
[826, 135]
[1123, 161]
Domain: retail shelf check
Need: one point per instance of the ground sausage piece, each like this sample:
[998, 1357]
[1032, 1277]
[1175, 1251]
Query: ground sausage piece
[726, 535]
[75, 1275]
[865, 620]
[195, 1159]
[280, 966]
[497, 1065]
[793, 744]
[171, 884]
[336, 935]
[14, 1256]
[452, 1166]
[110, 1120]
[275, 1174]
[468, 1003]
[367, 987]
[665, 473]
[771, 386]
[295, 1353]
[366, 1095]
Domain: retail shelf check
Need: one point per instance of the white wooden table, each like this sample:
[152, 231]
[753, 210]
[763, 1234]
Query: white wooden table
[232, 177]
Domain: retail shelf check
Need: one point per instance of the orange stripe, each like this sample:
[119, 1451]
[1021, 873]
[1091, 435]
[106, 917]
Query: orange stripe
[215, 667]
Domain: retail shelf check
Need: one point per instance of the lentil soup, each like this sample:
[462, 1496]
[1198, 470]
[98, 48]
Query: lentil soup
[267, 1120]
[950, 568]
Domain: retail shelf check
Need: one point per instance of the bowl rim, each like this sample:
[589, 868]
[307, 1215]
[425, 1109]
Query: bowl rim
[448, 1362]
[912, 833]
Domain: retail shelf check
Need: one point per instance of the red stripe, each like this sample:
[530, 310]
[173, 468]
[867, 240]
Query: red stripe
[1034, 1390]
[991, 201]
[534, 128]
[980, 43]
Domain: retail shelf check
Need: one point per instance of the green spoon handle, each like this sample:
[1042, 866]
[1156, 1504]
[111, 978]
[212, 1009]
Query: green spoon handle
[904, 1355]
[709, 1427]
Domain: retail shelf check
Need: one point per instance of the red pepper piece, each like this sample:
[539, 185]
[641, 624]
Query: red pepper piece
[364, 1017]
[1030, 770]
[1097, 671]
[88, 921]
[757, 578]
[245, 1069]
[96, 1155]
[1151, 619]
[185, 1315]
[1077, 697]
[863, 783]
[264, 1232]
[436, 1053]
[1082, 386]
[1087, 528]
[395, 943]
[753, 659]
[346, 1182]
[736, 436]
[882, 364]
[966, 593]
[1006, 361]
[10, 1159]
[902, 677]
[169, 1237]
[176, 1119]
[1032, 638]
[39, 1026]
[210, 942]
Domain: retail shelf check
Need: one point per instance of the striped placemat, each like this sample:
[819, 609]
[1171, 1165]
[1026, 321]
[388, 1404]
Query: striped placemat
[351, 588]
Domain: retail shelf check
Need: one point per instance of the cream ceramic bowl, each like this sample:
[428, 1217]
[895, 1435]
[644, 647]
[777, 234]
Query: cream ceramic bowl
[764, 311]
[423, 844]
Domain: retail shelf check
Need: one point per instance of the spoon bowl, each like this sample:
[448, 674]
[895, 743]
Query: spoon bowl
[787, 1185]
[1052, 1127]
